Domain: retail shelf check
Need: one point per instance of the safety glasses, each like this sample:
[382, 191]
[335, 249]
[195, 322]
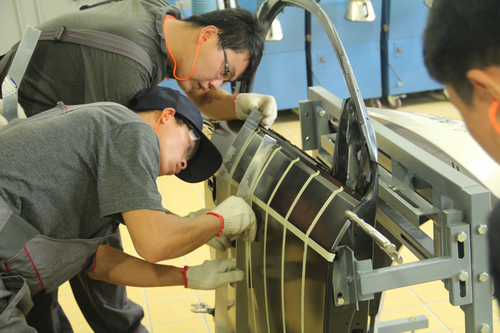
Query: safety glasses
[227, 72]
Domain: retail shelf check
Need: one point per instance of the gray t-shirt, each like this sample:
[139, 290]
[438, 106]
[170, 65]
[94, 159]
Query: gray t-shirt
[70, 173]
[79, 74]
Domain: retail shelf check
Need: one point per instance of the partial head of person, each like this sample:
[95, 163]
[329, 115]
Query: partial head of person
[184, 150]
[462, 51]
[230, 47]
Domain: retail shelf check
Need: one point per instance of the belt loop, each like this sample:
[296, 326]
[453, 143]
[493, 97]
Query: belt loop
[59, 35]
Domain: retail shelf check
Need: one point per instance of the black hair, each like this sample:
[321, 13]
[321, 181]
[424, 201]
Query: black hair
[239, 29]
[461, 35]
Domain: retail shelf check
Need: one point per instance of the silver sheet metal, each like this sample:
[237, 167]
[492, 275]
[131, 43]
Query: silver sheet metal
[300, 221]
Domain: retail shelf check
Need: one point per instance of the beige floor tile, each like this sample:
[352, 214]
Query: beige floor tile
[123, 229]
[435, 325]
[451, 316]
[407, 255]
[145, 321]
[197, 259]
[177, 262]
[496, 308]
[171, 310]
[194, 325]
[79, 324]
[185, 206]
[399, 298]
[204, 249]
[130, 251]
[127, 241]
[136, 294]
[182, 194]
[65, 289]
[69, 305]
[210, 323]
[172, 183]
[458, 330]
[431, 291]
[428, 228]
[165, 293]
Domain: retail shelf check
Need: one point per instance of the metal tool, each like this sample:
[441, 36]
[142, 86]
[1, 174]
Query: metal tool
[381, 240]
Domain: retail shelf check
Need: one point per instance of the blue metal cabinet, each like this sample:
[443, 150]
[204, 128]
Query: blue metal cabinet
[403, 68]
[282, 72]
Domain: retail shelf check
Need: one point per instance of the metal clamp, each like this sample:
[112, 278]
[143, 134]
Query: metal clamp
[381, 240]
[202, 308]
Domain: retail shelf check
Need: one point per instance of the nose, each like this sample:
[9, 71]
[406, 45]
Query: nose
[215, 84]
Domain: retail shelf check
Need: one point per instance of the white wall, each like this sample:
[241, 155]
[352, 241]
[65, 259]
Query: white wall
[15, 15]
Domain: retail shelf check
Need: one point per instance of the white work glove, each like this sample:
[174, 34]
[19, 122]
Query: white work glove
[212, 274]
[245, 103]
[200, 212]
[219, 243]
[239, 219]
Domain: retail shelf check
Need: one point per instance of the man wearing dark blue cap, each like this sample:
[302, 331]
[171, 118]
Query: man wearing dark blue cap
[79, 169]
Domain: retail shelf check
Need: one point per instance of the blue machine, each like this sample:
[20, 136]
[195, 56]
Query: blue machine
[403, 68]
[282, 72]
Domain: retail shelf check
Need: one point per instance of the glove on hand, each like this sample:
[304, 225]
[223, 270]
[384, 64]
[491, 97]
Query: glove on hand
[212, 274]
[200, 212]
[245, 103]
[239, 219]
[220, 243]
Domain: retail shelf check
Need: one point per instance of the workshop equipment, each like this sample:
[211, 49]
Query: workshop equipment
[403, 68]
[312, 269]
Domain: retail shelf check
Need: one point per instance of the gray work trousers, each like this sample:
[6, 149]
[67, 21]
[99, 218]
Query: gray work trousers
[105, 306]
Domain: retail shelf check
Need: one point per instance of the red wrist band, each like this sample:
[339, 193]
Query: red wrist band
[221, 222]
[234, 104]
[184, 272]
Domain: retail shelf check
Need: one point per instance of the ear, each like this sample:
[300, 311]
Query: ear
[208, 32]
[486, 82]
[167, 114]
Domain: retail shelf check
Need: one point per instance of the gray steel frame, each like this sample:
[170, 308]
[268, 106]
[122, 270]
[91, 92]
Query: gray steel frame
[414, 186]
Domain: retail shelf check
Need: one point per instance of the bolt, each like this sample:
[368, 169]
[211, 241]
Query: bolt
[485, 328]
[306, 114]
[322, 113]
[461, 237]
[349, 279]
[412, 319]
[483, 277]
[482, 229]
[340, 301]
[463, 276]
[308, 138]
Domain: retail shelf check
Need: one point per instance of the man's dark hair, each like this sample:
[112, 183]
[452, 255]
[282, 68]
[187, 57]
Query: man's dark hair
[240, 31]
[461, 35]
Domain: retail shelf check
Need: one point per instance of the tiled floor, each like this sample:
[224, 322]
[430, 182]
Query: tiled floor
[168, 309]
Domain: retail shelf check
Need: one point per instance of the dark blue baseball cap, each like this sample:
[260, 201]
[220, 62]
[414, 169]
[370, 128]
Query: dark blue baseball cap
[207, 158]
